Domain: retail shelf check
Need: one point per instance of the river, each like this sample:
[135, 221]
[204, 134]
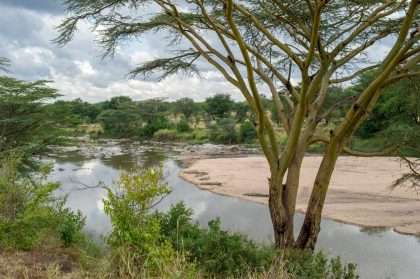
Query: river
[379, 253]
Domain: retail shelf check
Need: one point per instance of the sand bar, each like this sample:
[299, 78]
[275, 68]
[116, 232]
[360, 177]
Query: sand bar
[358, 192]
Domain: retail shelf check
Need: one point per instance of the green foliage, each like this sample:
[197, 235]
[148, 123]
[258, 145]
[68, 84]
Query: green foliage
[69, 226]
[152, 110]
[119, 102]
[182, 126]
[25, 125]
[166, 135]
[120, 123]
[151, 128]
[224, 131]
[215, 251]
[242, 110]
[247, 132]
[397, 112]
[310, 265]
[219, 106]
[186, 106]
[135, 244]
[29, 207]
[220, 254]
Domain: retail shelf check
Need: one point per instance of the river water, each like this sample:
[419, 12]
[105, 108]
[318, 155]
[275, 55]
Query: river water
[379, 253]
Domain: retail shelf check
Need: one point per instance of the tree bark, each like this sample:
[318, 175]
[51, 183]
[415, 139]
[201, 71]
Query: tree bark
[282, 202]
[311, 225]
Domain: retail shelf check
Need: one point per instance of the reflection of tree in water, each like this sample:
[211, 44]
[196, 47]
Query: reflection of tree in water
[71, 157]
[147, 158]
[152, 158]
[373, 230]
[125, 161]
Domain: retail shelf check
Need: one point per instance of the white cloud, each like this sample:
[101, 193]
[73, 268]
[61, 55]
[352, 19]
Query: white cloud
[78, 72]
[85, 67]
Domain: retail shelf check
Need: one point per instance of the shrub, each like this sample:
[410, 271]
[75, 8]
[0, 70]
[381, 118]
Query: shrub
[166, 135]
[224, 131]
[247, 132]
[213, 250]
[307, 264]
[28, 207]
[151, 128]
[182, 126]
[136, 246]
[220, 254]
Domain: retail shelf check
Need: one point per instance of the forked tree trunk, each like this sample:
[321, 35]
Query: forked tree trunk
[312, 223]
[282, 202]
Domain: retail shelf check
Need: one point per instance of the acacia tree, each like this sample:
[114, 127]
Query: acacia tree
[265, 42]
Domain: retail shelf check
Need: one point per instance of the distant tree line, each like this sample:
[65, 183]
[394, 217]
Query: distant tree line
[220, 119]
[28, 117]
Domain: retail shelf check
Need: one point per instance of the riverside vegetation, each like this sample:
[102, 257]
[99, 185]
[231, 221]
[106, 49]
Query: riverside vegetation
[142, 243]
[220, 119]
[40, 237]
[264, 44]
[317, 112]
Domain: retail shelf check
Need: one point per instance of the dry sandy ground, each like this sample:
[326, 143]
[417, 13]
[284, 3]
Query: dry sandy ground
[358, 192]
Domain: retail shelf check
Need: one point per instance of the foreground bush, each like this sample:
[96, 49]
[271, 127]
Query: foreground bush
[171, 245]
[220, 254]
[136, 248]
[28, 208]
[215, 251]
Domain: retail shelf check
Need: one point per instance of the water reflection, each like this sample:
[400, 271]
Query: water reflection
[379, 253]
[373, 230]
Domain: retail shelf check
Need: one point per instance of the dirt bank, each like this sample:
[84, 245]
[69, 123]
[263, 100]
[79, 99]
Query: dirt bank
[358, 193]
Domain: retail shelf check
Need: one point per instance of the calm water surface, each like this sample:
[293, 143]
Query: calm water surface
[378, 253]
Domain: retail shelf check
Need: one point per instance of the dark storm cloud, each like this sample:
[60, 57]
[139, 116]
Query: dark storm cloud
[49, 6]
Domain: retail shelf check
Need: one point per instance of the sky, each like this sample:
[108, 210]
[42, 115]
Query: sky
[77, 70]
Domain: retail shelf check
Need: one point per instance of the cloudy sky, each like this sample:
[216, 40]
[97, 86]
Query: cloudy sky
[26, 31]
[77, 71]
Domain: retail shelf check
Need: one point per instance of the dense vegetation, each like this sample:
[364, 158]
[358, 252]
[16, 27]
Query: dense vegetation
[146, 243]
[219, 119]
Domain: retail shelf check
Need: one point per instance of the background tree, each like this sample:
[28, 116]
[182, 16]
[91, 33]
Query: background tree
[118, 102]
[262, 43]
[242, 111]
[219, 106]
[26, 127]
[186, 106]
[121, 123]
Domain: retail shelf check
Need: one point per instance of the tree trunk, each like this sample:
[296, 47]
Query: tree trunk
[281, 226]
[282, 202]
[311, 225]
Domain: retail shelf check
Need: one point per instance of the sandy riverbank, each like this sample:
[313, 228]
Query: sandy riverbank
[358, 193]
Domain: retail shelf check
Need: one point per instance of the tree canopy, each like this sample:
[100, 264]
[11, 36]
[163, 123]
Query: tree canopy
[25, 124]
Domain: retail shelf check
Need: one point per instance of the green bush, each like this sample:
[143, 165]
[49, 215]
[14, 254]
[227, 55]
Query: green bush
[310, 265]
[220, 254]
[136, 246]
[151, 128]
[28, 207]
[224, 131]
[215, 251]
[182, 126]
[166, 135]
[247, 132]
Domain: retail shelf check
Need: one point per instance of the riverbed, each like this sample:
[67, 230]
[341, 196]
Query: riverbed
[379, 253]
